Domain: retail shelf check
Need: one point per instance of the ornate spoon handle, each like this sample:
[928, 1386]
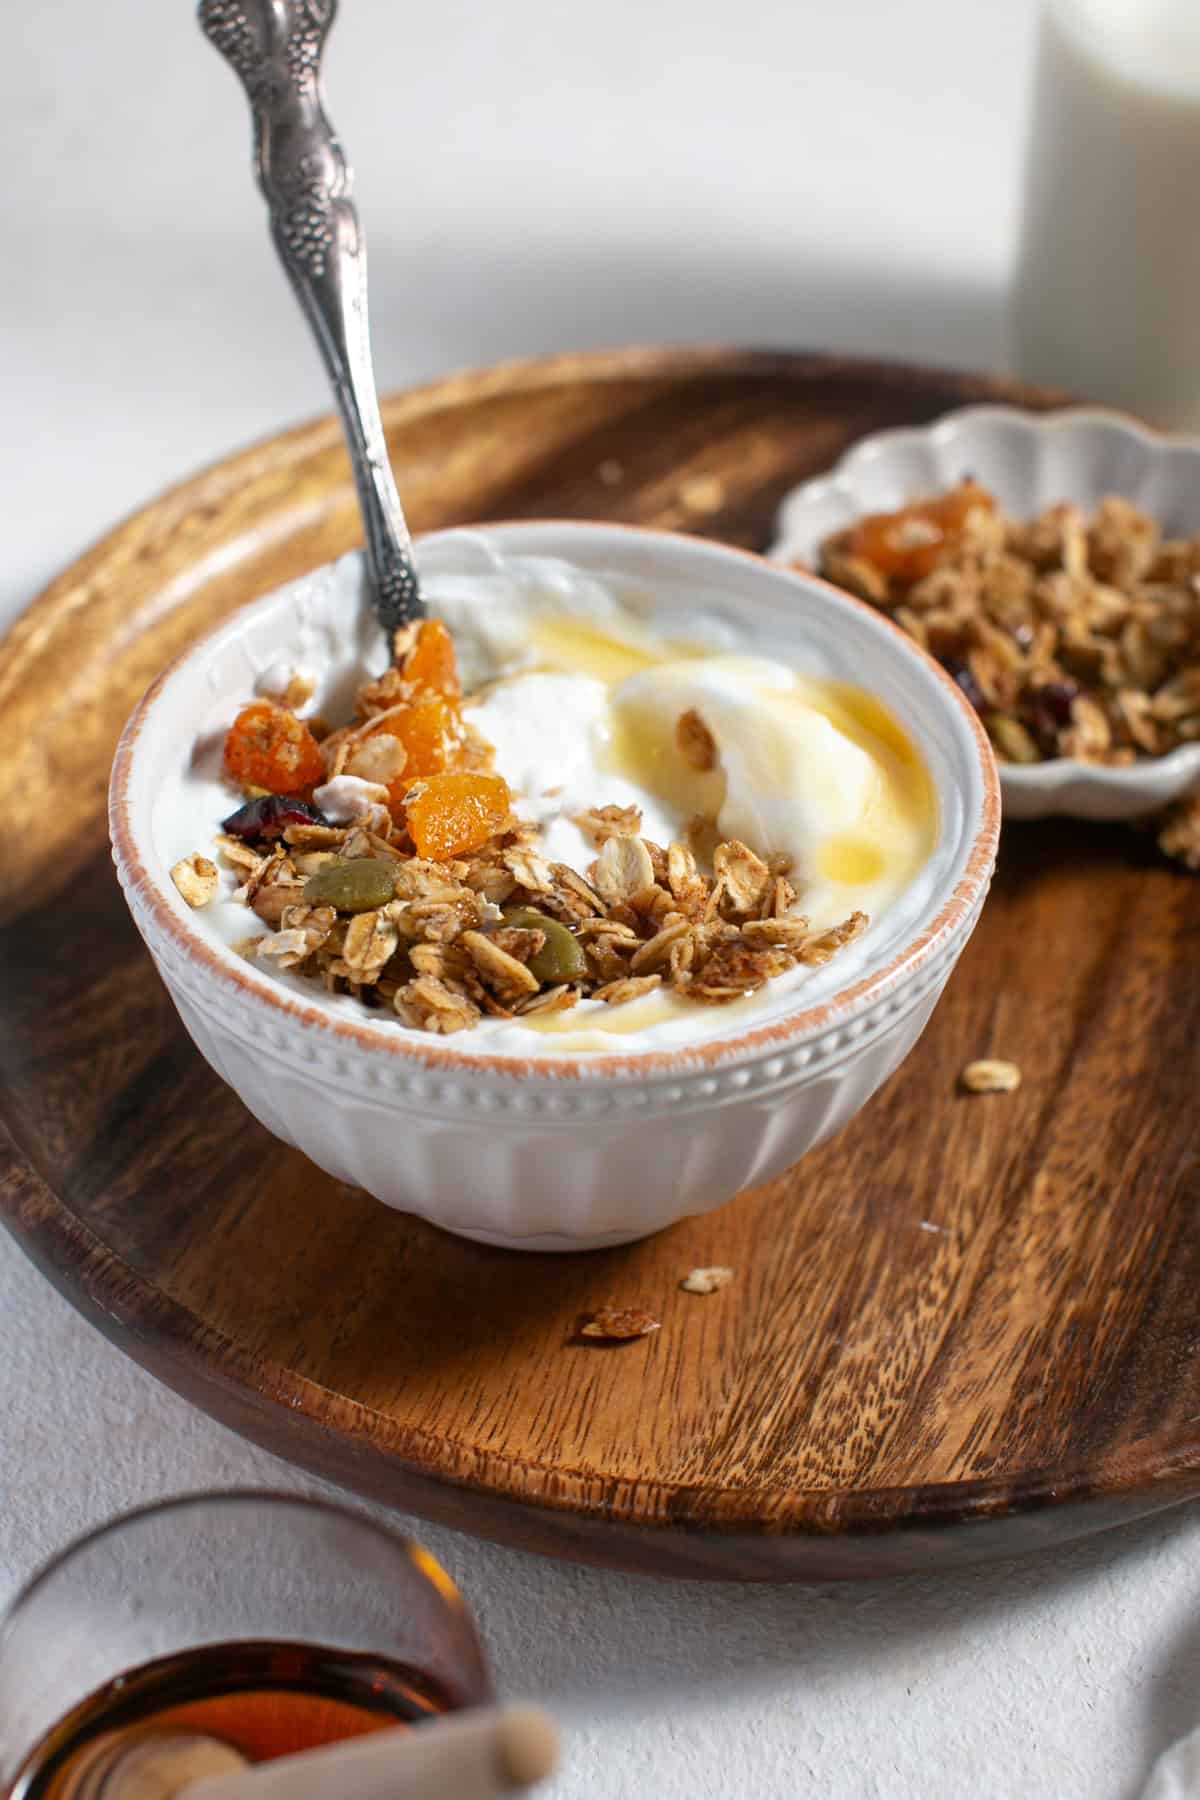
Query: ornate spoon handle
[275, 48]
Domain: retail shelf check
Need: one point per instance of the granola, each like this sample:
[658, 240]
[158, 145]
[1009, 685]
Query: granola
[1071, 636]
[618, 1324]
[196, 877]
[1179, 835]
[990, 1075]
[435, 903]
[706, 1281]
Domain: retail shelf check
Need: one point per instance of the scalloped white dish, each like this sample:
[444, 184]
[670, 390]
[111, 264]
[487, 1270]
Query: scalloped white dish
[1029, 461]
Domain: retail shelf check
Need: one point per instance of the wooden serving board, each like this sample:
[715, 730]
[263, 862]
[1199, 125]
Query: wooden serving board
[966, 1326]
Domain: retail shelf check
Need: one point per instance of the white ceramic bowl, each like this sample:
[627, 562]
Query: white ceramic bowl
[561, 1152]
[1029, 461]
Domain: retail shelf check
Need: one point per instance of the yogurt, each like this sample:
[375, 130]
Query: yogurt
[797, 772]
[579, 685]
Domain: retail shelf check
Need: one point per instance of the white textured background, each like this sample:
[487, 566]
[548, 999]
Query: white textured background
[538, 176]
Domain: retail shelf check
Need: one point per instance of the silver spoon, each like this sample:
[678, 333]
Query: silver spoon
[275, 48]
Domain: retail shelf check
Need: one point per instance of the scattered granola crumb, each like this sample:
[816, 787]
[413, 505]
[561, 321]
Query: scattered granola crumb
[615, 1324]
[702, 494]
[706, 1281]
[1179, 834]
[196, 878]
[990, 1076]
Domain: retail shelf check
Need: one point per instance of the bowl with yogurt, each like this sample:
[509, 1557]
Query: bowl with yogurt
[618, 885]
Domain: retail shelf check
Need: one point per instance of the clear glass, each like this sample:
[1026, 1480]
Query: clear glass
[218, 1569]
[1109, 255]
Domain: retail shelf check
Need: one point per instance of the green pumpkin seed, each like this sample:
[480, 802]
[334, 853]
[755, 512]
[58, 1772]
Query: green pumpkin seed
[359, 884]
[561, 957]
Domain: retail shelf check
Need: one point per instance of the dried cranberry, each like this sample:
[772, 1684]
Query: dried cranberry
[1048, 711]
[960, 672]
[267, 816]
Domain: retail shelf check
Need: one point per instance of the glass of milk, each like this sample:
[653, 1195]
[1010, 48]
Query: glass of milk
[1107, 297]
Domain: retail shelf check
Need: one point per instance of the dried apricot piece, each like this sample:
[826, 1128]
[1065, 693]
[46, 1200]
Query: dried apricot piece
[269, 747]
[455, 813]
[431, 665]
[907, 545]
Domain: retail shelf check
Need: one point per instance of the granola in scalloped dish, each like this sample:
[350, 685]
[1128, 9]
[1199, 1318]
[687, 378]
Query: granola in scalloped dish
[605, 832]
[1071, 636]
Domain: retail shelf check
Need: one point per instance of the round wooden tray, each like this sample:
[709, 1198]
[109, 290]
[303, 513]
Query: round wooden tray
[962, 1328]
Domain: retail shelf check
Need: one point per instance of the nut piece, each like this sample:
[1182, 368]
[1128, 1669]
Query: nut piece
[695, 741]
[706, 1281]
[990, 1076]
[615, 1324]
[623, 867]
[196, 878]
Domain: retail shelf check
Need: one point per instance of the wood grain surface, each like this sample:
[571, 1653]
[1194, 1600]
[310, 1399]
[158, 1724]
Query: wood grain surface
[968, 1325]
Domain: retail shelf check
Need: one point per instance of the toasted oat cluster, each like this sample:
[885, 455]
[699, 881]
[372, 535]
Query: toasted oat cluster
[1073, 637]
[502, 931]
[1179, 831]
[436, 903]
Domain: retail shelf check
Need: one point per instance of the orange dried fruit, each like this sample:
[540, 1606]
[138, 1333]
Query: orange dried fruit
[269, 747]
[457, 812]
[431, 665]
[906, 545]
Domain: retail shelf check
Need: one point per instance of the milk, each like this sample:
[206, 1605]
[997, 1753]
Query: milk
[1107, 299]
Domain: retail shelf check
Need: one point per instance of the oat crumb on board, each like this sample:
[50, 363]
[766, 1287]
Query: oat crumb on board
[706, 1281]
[990, 1075]
[616, 1324]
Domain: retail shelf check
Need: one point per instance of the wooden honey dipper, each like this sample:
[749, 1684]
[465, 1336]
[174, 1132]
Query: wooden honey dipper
[477, 1755]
